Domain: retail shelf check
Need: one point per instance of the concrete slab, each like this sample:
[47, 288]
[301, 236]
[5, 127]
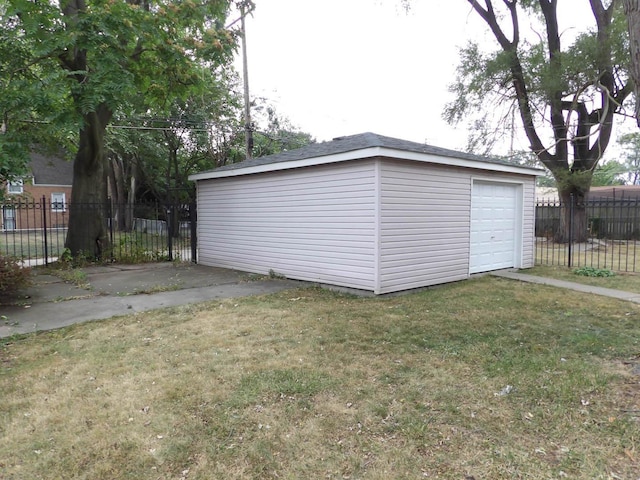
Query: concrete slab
[120, 290]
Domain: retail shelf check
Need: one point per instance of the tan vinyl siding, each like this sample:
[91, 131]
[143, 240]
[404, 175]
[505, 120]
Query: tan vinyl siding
[315, 224]
[424, 225]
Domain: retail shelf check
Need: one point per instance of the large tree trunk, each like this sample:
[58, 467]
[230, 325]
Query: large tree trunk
[131, 194]
[87, 235]
[573, 216]
[117, 190]
[632, 9]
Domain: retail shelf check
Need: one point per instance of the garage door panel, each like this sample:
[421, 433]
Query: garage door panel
[493, 226]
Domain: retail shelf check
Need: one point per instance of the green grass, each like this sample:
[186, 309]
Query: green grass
[30, 244]
[315, 384]
[628, 282]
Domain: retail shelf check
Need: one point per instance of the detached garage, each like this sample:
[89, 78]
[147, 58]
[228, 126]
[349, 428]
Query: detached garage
[367, 212]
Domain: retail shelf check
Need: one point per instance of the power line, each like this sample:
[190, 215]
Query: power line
[164, 129]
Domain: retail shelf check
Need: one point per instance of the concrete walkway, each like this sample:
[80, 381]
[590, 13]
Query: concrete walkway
[579, 287]
[124, 289]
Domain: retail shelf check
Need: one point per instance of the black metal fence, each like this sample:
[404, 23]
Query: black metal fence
[607, 236]
[35, 231]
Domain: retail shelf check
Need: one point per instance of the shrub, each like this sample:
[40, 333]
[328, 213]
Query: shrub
[593, 272]
[131, 249]
[13, 276]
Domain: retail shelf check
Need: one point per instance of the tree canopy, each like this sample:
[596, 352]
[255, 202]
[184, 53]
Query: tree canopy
[78, 62]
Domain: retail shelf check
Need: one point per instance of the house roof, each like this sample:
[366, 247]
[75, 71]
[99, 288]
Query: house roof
[617, 192]
[364, 145]
[547, 194]
[50, 170]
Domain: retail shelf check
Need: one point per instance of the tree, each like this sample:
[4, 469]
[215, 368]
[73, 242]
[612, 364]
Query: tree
[99, 55]
[151, 155]
[632, 11]
[566, 97]
[607, 174]
[275, 133]
[29, 97]
[630, 143]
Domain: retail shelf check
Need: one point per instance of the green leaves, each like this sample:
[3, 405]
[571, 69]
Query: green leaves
[593, 272]
[105, 52]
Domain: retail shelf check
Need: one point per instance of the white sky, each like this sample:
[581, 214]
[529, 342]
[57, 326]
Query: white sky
[341, 67]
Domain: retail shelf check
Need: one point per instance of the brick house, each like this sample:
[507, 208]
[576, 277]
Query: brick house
[42, 195]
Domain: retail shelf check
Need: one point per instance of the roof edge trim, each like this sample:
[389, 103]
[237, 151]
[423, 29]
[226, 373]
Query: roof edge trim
[369, 152]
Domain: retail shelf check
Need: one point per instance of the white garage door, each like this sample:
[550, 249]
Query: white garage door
[494, 226]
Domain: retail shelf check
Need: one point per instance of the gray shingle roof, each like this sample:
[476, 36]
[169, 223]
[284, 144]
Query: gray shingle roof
[50, 170]
[356, 142]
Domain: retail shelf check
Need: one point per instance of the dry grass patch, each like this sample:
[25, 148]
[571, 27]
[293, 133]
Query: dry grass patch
[315, 384]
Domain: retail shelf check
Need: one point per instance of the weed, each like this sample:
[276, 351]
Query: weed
[594, 272]
[13, 276]
[157, 289]
[75, 276]
[6, 321]
[275, 275]
[130, 248]
[65, 257]
[254, 277]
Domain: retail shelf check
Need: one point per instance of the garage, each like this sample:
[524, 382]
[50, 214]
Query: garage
[495, 229]
[367, 212]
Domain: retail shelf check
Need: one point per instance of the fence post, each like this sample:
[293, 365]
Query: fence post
[44, 230]
[193, 215]
[110, 220]
[169, 233]
[570, 230]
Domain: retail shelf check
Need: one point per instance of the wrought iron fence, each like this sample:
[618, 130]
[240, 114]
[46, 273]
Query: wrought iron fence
[606, 236]
[35, 231]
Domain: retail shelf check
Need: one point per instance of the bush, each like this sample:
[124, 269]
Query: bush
[13, 276]
[593, 272]
[131, 249]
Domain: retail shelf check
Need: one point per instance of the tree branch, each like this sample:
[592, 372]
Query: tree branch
[489, 16]
[517, 75]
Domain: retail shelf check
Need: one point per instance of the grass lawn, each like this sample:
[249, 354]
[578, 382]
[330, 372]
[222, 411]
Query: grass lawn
[311, 384]
[628, 282]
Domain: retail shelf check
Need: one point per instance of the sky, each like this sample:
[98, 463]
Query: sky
[341, 67]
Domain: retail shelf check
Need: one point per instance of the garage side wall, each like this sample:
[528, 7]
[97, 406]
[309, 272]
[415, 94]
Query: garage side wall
[424, 225]
[314, 223]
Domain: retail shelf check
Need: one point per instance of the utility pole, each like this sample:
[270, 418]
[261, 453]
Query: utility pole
[248, 132]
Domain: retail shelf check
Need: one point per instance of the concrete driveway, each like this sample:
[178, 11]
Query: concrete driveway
[123, 289]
